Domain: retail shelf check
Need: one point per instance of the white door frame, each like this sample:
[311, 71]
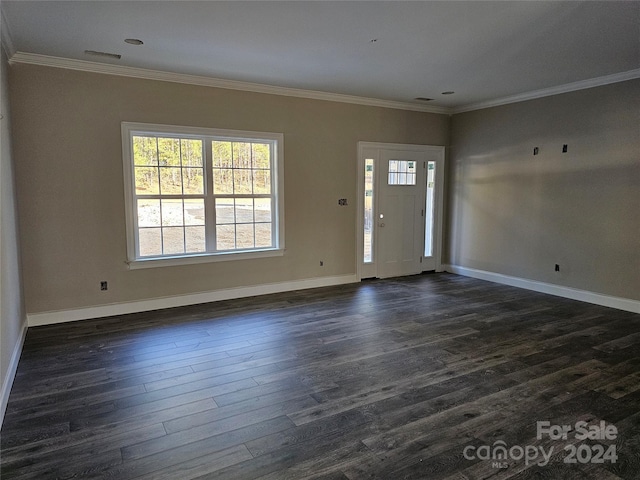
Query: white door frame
[437, 154]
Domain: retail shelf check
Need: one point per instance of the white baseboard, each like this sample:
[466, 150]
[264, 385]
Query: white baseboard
[626, 304]
[7, 381]
[62, 316]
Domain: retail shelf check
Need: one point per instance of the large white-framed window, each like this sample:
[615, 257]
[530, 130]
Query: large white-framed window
[197, 194]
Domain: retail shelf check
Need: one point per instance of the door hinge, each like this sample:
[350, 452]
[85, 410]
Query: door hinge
[424, 165]
[422, 212]
[420, 259]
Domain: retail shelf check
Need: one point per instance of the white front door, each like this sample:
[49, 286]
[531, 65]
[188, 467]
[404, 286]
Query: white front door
[401, 193]
[399, 226]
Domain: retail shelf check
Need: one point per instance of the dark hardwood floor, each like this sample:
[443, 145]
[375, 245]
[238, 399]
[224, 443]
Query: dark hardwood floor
[418, 377]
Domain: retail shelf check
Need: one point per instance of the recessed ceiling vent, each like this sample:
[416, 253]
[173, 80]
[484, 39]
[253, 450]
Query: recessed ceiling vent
[423, 99]
[103, 54]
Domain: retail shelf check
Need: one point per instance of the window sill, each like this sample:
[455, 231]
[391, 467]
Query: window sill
[153, 262]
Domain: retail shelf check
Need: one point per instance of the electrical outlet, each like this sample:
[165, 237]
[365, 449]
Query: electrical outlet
[103, 285]
[322, 263]
[557, 267]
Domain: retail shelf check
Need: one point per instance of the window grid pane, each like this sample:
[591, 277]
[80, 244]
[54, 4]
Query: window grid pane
[234, 216]
[170, 194]
[243, 169]
[171, 226]
[402, 172]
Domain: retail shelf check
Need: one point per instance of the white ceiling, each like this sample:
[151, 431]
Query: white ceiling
[397, 50]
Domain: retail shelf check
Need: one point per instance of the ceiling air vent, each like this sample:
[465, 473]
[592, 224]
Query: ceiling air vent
[423, 99]
[103, 54]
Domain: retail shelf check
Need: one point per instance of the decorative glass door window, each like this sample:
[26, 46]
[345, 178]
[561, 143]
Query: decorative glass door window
[368, 210]
[429, 209]
[402, 172]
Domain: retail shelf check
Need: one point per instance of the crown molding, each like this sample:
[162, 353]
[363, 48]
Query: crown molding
[547, 92]
[143, 73]
[148, 74]
[5, 36]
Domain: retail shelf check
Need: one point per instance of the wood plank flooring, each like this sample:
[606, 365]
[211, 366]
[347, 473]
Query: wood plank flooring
[387, 379]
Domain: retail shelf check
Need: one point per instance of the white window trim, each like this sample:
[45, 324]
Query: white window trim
[128, 128]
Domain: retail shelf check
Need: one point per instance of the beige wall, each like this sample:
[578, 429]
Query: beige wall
[12, 316]
[70, 188]
[508, 211]
[517, 214]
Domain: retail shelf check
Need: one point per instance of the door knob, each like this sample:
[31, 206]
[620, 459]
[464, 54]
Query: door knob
[381, 224]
